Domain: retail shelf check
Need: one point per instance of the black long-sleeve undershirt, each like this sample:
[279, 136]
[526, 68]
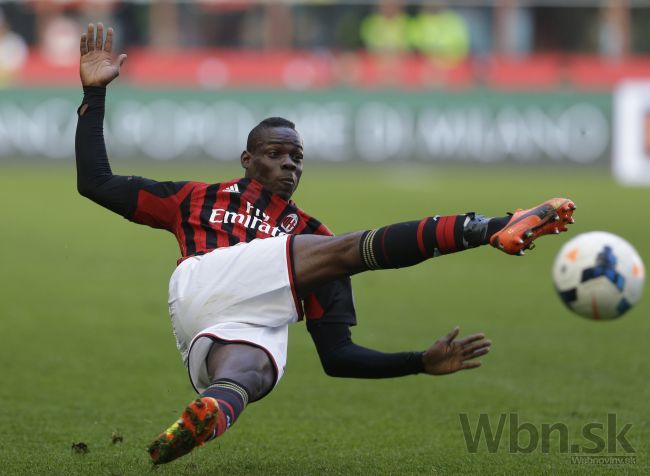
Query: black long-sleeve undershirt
[339, 356]
[95, 179]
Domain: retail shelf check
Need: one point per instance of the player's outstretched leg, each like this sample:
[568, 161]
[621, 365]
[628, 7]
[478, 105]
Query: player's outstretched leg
[525, 226]
[319, 259]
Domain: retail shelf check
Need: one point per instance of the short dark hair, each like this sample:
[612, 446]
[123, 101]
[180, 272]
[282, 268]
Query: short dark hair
[255, 135]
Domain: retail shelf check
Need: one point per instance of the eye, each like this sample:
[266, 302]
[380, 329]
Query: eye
[272, 153]
[297, 157]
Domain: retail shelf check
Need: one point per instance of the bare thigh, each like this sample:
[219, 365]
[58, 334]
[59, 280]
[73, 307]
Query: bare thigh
[245, 364]
[321, 259]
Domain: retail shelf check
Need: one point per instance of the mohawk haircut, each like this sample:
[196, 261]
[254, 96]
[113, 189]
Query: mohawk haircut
[256, 133]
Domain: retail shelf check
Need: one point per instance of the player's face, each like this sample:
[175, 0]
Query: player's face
[276, 161]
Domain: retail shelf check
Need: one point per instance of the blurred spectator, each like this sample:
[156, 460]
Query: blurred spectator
[514, 28]
[60, 40]
[13, 52]
[614, 32]
[441, 34]
[386, 30]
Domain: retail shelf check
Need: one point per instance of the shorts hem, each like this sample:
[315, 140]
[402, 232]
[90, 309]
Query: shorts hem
[291, 272]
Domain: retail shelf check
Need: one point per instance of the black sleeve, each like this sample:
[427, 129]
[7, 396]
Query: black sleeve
[341, 357]
[95, 179]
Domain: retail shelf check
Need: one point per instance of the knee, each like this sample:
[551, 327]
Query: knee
[248, 366]
[258, 382]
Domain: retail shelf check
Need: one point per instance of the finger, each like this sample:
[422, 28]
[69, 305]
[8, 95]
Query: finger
[449, 338]
[469, 350]
[470, 365]
[472, 338]
[83, 47]
[90, 40]
[477, 353]
[120, 60]
[108, 45]
[99, 45]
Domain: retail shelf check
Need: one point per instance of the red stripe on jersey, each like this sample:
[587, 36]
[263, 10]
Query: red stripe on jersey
[198, 197]
[239, 229]
[274, 209]
[296, 301]
[423, 249]
[160, 212]
[300, 227]
[221, 203]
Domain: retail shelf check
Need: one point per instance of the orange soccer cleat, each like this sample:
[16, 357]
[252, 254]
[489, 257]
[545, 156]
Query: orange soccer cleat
[196, 425]
[525, 226]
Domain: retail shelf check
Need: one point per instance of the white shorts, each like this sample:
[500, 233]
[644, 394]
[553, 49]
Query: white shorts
[243, 293]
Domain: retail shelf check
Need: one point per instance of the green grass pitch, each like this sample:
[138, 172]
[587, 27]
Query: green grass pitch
[87, 349]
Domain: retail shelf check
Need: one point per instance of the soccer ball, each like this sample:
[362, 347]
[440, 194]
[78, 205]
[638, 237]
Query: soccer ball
[599, 275]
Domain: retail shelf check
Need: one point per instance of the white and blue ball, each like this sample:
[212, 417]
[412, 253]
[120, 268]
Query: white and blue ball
[599, 275]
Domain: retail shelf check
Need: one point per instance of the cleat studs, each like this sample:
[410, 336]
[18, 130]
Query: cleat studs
[571, 220]
[500, 246]
[521, 242]
[556, 231]
[521, 253]
[528, 233]
[531, 246]
[555, 217]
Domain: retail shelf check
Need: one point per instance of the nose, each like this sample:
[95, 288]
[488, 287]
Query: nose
[288, 163]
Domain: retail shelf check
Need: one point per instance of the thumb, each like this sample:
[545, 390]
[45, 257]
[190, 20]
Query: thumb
[120, 60]
[452, 335]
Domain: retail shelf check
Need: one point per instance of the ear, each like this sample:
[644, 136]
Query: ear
[245, 159]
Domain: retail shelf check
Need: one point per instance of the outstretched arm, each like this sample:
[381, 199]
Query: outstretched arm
[341, 357]
[330, 313]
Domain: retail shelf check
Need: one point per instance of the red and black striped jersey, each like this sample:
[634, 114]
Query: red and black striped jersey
[204, 217]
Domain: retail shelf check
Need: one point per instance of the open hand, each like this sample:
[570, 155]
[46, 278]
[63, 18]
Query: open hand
[448, 355]
[97, 66]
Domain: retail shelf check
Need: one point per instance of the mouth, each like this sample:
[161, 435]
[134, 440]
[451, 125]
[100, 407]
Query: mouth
[288, 180]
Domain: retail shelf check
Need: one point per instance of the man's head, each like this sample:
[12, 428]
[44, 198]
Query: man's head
[273, 156]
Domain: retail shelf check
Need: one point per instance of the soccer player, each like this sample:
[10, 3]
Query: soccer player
[252, 262]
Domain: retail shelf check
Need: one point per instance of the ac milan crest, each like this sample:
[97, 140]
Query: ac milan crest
[289, 222]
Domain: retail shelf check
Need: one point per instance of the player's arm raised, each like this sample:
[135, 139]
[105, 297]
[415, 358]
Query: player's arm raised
[95, 179]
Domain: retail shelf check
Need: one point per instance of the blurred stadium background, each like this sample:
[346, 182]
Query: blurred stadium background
[407, 109]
